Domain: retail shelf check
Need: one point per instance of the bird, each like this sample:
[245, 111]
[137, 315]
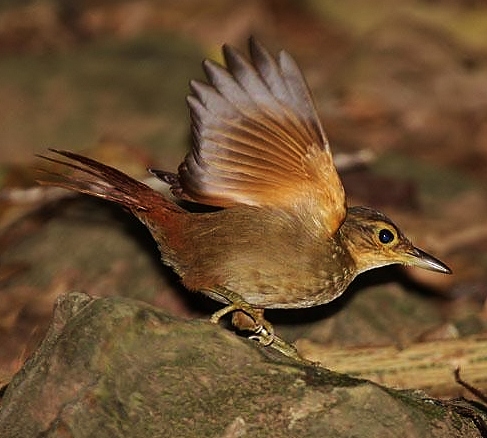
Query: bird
[277, 232]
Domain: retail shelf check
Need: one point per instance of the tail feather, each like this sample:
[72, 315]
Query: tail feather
[97, 179]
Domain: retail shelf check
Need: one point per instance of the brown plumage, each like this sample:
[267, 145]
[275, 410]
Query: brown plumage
[283, 236]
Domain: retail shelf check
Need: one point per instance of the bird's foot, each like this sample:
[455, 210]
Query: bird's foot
[247, 318]
[264, 335]
[253, 321]
[261, 330]
[290, 350]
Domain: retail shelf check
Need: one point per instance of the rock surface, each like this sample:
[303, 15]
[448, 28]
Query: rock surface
[114, 367]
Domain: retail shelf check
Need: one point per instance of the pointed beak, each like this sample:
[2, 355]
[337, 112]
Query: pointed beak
[423, 260]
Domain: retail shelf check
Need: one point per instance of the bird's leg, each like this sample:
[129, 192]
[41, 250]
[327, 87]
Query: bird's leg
[262, 330]
[246, 316]
[244, 322]
[249, 318]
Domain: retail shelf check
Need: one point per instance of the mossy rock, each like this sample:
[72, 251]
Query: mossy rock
[118, 367]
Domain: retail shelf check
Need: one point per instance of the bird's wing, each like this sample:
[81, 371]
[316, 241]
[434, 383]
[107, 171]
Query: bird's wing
[258, 140]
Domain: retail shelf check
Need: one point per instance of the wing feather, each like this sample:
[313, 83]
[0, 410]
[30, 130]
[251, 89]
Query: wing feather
[258, 140]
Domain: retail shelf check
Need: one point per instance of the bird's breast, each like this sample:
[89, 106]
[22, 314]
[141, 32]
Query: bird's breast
[270, 259]
[303, 274]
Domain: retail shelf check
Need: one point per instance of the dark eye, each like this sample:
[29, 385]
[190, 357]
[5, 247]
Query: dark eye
[386, 236]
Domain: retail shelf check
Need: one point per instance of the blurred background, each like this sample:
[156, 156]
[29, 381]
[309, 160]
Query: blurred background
[403, 81]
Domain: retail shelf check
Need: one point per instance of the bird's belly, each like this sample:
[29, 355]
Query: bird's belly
[270, 260]
[291, 288]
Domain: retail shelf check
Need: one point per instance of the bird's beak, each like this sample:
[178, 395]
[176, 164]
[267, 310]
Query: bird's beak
[424, 260]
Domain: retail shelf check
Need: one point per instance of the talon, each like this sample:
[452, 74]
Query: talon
[245, 317]
[263, 335]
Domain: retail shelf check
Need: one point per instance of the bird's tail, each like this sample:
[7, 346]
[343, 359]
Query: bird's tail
[94, 178]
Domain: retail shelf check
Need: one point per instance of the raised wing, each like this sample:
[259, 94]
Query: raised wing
[258, 140]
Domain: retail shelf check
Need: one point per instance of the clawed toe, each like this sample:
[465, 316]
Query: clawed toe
[245, 317]
[248, 319]
[263, 335]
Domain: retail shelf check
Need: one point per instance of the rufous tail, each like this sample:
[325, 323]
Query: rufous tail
[94, 178]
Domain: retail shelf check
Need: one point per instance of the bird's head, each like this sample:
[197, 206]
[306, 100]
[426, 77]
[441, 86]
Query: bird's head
[373, 241]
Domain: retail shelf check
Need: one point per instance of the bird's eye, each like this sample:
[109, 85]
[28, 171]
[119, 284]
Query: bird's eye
[386, 236]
